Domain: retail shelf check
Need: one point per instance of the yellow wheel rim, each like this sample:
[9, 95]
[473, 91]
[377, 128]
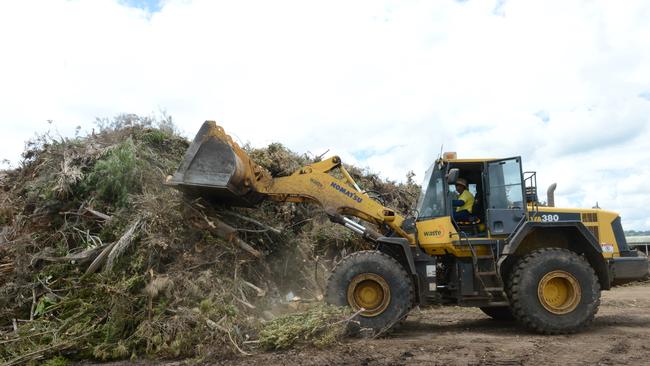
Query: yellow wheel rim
[559, 292]
[370, 292]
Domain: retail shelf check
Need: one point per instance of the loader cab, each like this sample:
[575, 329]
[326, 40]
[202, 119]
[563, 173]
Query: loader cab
[498, 190]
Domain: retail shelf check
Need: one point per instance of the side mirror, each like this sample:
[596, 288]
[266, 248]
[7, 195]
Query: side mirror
[452, 176]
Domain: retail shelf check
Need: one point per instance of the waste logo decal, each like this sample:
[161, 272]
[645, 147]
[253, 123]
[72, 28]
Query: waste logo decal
[433, 233]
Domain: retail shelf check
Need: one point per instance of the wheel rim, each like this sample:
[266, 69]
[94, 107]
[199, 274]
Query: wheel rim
[559, 292]
[370, 292]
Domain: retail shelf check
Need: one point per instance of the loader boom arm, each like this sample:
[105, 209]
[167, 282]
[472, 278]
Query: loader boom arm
[337, 196]
[216, 168]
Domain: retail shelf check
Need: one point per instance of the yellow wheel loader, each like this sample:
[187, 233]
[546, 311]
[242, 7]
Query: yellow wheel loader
[512, 257]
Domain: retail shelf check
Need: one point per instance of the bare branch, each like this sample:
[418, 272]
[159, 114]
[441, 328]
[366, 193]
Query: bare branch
[253, 221]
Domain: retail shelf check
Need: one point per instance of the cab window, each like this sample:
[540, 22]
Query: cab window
[505, 185]
[432, 199]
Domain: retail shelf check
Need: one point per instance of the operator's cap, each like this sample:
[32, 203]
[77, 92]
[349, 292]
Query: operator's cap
[462, 182]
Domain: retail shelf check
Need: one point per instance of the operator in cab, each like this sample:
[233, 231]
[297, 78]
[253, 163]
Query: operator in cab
[464, 202]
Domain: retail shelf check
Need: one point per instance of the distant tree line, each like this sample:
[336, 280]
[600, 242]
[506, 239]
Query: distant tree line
[637, 233]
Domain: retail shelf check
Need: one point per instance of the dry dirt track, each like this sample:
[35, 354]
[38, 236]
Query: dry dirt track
[620, 335]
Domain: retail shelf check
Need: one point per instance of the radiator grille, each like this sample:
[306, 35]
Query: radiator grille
[594, 230]
[590, 217]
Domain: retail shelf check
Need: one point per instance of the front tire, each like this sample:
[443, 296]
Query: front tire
[375, 282]
[554, 291]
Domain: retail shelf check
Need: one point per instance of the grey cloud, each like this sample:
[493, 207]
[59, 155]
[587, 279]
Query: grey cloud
[592, 139]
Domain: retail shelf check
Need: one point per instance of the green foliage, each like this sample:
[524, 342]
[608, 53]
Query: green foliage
[320, 326]
[43, 304]
[205, 306]
[155, 137]
[77, 318]
[179, 290]
[115, 175]
[57, 361]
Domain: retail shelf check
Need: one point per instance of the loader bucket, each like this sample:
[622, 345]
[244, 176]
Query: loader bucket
[215, 168]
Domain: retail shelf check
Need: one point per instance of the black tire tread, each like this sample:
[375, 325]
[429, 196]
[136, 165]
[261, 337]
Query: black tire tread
[359, 256]
[515, 295]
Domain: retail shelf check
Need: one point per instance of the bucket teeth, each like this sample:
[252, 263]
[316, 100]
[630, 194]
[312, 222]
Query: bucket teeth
[216, 168]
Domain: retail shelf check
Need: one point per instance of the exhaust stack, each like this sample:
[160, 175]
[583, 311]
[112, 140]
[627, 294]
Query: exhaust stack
[550, 195]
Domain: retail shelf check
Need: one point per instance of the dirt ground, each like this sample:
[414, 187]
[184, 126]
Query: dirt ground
[620, 335]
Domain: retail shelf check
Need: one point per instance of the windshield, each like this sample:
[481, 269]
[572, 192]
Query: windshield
[432, 199]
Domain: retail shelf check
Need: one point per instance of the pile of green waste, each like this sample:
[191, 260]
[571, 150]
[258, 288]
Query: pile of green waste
[99, 259]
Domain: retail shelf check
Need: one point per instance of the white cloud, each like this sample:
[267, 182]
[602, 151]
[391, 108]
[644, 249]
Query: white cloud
[393, 78]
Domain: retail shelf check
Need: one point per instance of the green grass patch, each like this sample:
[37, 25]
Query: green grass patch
[319, 326]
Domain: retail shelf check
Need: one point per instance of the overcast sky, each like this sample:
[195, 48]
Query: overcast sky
[384, 84]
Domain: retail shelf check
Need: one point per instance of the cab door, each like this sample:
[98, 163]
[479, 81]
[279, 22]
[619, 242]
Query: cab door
[506, 206]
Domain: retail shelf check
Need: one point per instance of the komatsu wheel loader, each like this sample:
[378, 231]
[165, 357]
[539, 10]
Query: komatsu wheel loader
[513, 258]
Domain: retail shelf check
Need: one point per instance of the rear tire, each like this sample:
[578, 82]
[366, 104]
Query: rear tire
[554, 291]
[501, 313]
[375, 281]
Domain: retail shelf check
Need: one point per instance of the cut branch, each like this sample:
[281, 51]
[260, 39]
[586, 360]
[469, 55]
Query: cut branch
[113, 250]
[81, 257]
[229, 233]
[253, 221]
[99, 260]
[125, 241]
[101, 215]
